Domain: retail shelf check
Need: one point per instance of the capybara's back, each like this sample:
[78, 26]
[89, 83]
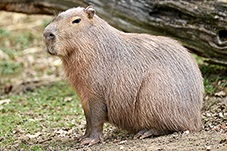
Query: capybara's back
[146, 84]
[154, 84]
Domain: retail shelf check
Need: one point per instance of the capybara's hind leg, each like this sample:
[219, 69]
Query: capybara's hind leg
[145, 133]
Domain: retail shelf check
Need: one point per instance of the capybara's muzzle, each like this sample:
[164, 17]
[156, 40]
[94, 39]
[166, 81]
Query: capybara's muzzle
[49, 39]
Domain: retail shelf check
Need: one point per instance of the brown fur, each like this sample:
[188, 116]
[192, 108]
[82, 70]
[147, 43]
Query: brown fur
[134, 81]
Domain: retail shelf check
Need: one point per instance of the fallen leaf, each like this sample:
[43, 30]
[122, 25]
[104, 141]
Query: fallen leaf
[3, 55]
[6, 101]
[34, 136]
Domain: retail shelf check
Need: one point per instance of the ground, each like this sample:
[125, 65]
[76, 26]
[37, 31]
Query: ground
[39, 110]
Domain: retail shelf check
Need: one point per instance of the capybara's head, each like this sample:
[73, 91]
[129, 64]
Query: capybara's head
[66, 31]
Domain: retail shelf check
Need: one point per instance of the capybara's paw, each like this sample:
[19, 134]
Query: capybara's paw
[143, 134]
[82, 137]
[93, 139]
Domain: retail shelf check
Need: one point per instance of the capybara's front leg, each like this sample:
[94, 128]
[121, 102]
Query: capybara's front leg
[96, 115]
[88, 125]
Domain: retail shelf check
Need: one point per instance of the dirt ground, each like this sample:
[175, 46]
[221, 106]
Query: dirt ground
[213, 136]
[204, 141]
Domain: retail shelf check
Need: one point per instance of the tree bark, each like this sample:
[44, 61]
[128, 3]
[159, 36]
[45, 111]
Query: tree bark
[199, 25]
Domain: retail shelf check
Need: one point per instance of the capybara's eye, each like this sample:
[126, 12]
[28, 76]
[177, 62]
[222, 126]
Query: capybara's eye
[76, 21]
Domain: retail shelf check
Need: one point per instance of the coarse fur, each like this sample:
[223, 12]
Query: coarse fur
[134, 81]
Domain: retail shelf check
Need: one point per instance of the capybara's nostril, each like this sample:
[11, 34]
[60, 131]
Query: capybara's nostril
[49, 35]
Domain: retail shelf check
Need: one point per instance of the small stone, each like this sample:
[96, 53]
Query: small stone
[220, 94]
[122, 147]
[216, 17]
[186, 132]
[208, 148]
[68, 99]
[208, 114]
[122, 142]
[220, 114]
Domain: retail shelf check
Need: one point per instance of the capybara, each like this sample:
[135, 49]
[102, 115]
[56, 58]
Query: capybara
[148, 85]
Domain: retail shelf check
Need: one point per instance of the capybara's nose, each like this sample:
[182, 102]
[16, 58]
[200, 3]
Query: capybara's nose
[48, 35]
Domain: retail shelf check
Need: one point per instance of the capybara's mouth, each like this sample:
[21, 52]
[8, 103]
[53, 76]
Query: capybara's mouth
[51, 53]
[51, 50]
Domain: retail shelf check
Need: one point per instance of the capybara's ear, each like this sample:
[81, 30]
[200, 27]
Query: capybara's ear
[90, 11]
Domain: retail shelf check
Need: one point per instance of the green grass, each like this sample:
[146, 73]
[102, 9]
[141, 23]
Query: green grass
[215, 78]
[12, 43]
[53, 106]
[4, 33]
[46, 22]
[209, 88]
[9, 67]
[16, 40]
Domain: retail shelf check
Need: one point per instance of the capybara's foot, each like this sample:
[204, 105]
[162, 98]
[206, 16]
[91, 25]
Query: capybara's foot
[92, 139]
[143, 134]
[83, 137]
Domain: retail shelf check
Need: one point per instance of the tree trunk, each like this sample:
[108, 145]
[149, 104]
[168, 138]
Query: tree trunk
[200, 26]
